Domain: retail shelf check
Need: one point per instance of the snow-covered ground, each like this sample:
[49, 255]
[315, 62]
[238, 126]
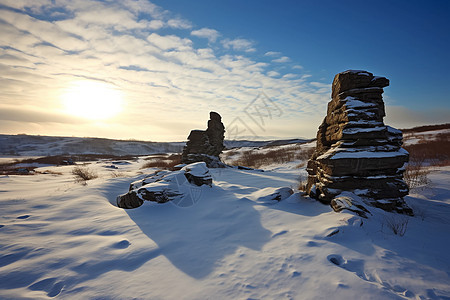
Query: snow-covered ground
[416, 137]
[60, 238]
[33, 145]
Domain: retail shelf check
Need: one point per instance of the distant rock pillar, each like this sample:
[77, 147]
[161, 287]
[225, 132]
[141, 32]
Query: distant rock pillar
[355, 151]
[206, 145]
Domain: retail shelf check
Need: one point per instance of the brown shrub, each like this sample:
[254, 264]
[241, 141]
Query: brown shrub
[302, 181]
[82, 174]
[416, 174]
[70, 159]
[256, 159]
[432, 151]
[426, 128]
[163, 162]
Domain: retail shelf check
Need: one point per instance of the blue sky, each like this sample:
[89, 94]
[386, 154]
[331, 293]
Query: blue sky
[168, 63]
[407, 41]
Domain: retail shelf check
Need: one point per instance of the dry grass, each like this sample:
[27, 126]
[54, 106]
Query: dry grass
[163, 162]
[428, 152]
[257, 159]
[433, 151]
[83, 174]
[426, 128]
[11, 168]
[397, 223]
[416, 174]
[50, 172]
[302, 181]
[116, 174]
[68, 159]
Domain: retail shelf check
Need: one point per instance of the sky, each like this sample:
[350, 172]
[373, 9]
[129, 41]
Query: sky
[136, 69]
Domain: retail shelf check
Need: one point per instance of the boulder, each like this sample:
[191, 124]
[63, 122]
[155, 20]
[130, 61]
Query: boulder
[165, 186]
[356, 151]
[278, 195]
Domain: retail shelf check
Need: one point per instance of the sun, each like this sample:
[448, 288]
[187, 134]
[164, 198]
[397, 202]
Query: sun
[92, 100]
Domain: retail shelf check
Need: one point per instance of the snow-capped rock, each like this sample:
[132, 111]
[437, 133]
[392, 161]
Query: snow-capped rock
[165, 186]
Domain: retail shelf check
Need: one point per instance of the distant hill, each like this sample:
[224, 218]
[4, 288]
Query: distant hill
[426, 128]
[37, 145]
[32, 145]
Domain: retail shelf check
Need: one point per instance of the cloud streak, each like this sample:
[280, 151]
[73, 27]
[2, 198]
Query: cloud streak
[239, 45]
[207, 33]
[152, 56]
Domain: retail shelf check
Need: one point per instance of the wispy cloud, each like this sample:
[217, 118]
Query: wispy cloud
[272, 53]
[207, 33]
[273, 73]
[239, 45]
[137, 47]
[282, 59]
[169, 42]
[179, 24]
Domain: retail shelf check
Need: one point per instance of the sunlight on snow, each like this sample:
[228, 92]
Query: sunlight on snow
[92, 100]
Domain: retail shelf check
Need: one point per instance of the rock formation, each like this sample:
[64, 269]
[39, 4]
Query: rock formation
[206, 145]
[164, 186]
[355, 151]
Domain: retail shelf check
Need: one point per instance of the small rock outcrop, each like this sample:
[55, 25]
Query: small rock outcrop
[164, 186]
[355, 151]
[206, 145]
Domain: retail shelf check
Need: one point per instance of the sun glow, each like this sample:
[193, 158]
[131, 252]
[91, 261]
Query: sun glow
[92, 100]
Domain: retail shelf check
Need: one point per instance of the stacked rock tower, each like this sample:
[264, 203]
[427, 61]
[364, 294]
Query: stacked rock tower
[355, 151]
[206, 145]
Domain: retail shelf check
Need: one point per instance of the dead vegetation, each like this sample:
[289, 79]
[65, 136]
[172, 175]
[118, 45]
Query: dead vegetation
[430, 151]
[302, 181]
[27, 166]
[163, 161]
[426, 128]
[258, 158]
[116, 174]
[83, 174]
[396, 223]
[416, 174]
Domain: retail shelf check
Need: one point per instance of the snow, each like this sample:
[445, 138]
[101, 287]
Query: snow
[198, 169]
[416, 137]
[59, 238]
[339, 153]
[352, 103]
[393, 130]
[31, 145]
[359, 72]
[359, 129]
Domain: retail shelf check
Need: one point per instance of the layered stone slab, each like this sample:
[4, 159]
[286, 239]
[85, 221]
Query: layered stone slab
[356, 152]
[206, 145]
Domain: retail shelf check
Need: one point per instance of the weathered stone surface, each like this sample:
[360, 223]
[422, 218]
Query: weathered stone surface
[355, 151]
[215, 133]
[350, 202]
[198, 174]
[206, 145]
[166, 186]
